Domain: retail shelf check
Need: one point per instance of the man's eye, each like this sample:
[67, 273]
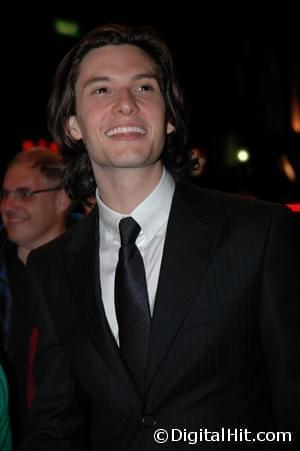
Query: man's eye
[24, 193]
[145, 88]
[101, 90]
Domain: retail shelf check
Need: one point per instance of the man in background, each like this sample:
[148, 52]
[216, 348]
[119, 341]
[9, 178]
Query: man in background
[34, 209]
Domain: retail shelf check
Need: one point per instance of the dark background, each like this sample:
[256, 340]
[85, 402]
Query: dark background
[238, 80]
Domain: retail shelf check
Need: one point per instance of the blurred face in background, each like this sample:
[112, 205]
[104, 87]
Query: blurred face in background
[34, 220]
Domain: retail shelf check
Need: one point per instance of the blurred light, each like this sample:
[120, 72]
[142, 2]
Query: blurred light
[294, 207]
[27, 144]
[66, 27]
[42, 142]
[287, 168]
[243, 155]
[53, 147]
[295, 112]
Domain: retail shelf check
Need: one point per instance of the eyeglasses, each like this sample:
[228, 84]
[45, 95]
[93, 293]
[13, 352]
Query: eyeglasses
[24, 194]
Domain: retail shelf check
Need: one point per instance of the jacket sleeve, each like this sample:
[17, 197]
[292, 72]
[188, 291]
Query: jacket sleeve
[57, 417]
[280, 319]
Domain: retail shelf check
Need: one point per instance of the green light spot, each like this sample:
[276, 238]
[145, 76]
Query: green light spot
[66, 27]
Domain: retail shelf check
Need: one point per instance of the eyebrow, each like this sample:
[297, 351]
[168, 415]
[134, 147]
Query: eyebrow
[137, 77]
[18, 187]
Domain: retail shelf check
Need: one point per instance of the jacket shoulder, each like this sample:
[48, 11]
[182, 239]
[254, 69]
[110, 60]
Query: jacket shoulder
[70, 240]
[230, 203]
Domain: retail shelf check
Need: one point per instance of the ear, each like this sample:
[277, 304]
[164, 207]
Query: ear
[170, 128]
[63, 201]
[73, 128]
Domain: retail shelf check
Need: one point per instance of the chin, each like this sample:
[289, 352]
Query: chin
[135, 161]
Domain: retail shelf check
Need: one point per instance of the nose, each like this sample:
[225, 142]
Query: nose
[125, 102]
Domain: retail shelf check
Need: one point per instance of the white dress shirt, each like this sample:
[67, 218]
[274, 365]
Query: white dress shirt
[152, 216]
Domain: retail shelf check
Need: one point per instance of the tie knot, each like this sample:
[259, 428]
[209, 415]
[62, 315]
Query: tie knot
[129, 230]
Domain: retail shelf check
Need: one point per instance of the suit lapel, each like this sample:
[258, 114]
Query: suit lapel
[82, 266]
[194, 227]
[193, 230]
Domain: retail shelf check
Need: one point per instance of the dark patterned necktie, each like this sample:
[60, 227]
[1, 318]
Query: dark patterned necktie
[131, 301]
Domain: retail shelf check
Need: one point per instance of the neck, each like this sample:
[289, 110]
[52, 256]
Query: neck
[23, 253]
[123, 190]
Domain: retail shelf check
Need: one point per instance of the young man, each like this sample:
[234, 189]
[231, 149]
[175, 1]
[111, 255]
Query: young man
[34, 208]
[214, 348]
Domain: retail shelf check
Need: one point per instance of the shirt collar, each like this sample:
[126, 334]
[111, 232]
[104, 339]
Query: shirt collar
[151, 214]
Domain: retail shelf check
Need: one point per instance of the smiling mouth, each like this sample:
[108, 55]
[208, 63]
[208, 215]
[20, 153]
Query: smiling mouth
[125, 131]
[11, 221]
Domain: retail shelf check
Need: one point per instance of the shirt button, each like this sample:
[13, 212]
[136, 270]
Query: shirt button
[149, 421]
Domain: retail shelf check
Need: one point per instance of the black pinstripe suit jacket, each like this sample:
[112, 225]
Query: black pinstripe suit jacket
[224, 348]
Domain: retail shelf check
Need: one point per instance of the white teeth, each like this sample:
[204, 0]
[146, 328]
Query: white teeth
[122, 130]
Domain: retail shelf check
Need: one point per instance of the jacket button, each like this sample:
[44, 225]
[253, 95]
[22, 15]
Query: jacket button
[149, 421]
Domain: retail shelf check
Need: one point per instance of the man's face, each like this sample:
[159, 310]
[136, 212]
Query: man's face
[121, 112]
[29, 222]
